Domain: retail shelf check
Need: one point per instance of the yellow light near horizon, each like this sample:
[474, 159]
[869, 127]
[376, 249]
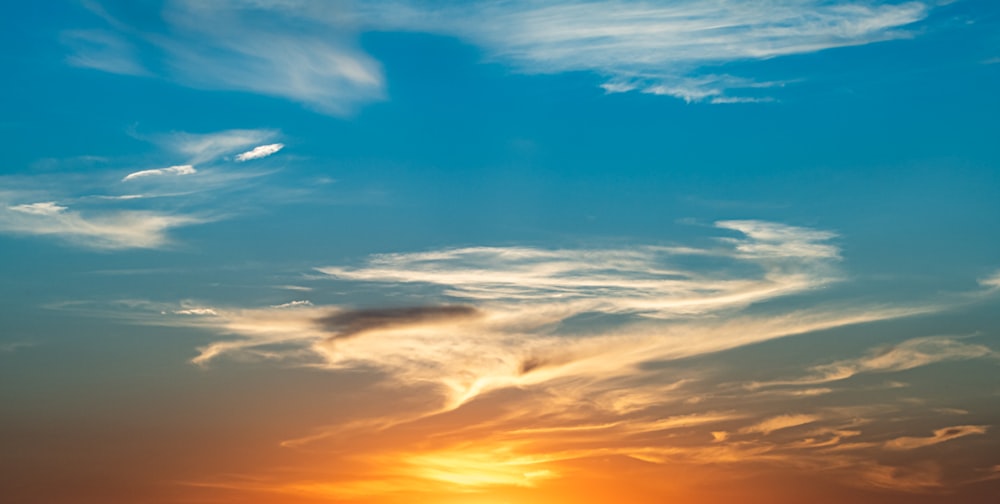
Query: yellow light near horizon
[472, 468]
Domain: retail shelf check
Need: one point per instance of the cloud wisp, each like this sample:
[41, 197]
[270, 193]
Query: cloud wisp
[261, 151]
[909, 354]
[309, 53]
[114, 230]
[173, 170]
[657, 49]
[104, 211]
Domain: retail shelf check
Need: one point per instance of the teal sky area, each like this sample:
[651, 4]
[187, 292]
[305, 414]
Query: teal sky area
[252, 250]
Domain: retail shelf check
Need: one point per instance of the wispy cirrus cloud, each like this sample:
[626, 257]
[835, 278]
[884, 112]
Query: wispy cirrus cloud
[112, 230]
[302, 51]
[103, 50]
[308, 52]
[198, 148]
[261, 151]
[104, 211]
[939, 436]
[517, 322]
[173, 170]
[906, 355]
[665, 49]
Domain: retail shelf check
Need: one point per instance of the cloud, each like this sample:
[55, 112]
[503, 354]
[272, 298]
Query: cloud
[92, 211]
[197, 311]
[991, 282]
[207, 147]
[41, 208]
[258, 152]
[301, 51]
[779, 422]
[939, 436]
[909, 354]
[113, 230]
[308, 52]
[636, 280]
[649, 47]
[103, 50]
[530, 317]
[351, 323]
[293, 304]
[173, 170]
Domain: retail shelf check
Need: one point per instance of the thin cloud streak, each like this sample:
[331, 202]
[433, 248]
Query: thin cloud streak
[114, 230]
[173, 170]
[909, 354]
[259, 152]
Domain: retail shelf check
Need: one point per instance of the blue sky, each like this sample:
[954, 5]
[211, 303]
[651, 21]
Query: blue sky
[716, 232]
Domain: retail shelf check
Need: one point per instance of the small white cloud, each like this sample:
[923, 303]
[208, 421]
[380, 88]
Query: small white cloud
[293, 304]
[991, 282]
[196, 311]
[261, 151]
[294, 288]
[42, 208]
[173, 170]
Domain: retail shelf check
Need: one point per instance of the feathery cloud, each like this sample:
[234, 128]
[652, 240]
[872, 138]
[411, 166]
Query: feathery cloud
[41, 208]
[258, 152]
[113, 230]
[654, 48]
[939, 436]
[173, 170]
[909, 354]
[308, 52]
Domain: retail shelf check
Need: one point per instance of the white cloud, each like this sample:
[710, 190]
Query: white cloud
[102, 217]
[653, 47]
[308, 51]
[258, 152]
[638, 279]
[196, 311]
[208, 147]
[293, 304]
[173, 170]
[992, 282]
[106, 230]
[644, 307]
[41, 208]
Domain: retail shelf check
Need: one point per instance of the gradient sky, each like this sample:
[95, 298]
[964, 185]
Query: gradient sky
[290, 251]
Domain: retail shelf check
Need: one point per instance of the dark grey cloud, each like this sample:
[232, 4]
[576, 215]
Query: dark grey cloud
[347, 324]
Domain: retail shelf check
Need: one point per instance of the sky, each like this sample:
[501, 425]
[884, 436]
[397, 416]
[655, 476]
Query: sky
[481, 252]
